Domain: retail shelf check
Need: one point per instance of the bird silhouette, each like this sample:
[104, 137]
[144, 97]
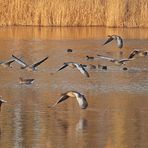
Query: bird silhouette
[117, 62]
[117, 38]
[138, 52]
[29, 67]
[80, 67]
[25, 81]
[89, 57]
[74, 94]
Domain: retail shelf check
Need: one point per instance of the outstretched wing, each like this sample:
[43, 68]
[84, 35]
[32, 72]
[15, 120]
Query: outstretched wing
[19, 61]
[82, 69]
[63, 97]
[104, 57]
[9, 61]
[38, 63]
[81, 100]
[133, 53]
[109, 40]
[125, 60]
[64, 66]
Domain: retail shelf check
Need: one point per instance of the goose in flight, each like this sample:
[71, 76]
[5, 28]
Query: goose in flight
[117, 62]
[74, 94]
[80, 67]
[138, 52]
[117, 38]
[25, 81]
[29, 67]
[1, 101]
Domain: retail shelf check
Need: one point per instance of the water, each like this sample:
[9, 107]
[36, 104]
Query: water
[117, 114]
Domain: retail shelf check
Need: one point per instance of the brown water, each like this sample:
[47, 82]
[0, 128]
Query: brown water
[117, 115]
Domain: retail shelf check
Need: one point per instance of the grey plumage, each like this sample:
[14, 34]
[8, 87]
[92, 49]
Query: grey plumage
[80, 98]
[80, 67]
[26, 66]
[117, 62]
[117, 38]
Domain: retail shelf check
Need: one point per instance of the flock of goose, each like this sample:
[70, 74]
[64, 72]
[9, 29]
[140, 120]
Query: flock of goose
[82, 101]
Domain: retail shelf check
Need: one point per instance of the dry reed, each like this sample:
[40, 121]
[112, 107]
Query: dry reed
[112, 13]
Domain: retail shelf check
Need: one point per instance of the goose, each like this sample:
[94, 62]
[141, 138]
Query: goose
[104, 67]
[91, 66]
[80, 67]
[69, 50]
[117, 62]
[138, 52]
[117, 38]
[89, 58]
[1, 102]
[74, 94]
[25, 81]
[32, 67]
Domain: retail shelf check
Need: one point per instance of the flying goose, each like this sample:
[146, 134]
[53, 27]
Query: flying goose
[80, 98]
[117, 62]
[1, 101]
[117, 38]
[25, 81]
[29, 67]
[138, 52]
[80, 67]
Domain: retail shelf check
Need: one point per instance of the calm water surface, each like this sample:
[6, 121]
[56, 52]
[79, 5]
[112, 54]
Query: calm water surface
[117, 115]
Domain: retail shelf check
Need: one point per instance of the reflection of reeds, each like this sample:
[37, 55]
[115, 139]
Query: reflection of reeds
[114, 13]
[56, 33]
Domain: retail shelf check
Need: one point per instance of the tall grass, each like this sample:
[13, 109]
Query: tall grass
[113, 13]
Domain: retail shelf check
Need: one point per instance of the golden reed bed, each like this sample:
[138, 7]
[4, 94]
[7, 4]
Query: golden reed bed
[111, 13]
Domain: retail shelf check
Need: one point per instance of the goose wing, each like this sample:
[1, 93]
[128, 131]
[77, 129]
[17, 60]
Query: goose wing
[9, 61]
[109, 40]
[81, 100]
[38, 63]
[125, 60]
[19, 61]
[63, 97]
[63, 66]
[104, 57]
[133, 53]
[82, 69]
